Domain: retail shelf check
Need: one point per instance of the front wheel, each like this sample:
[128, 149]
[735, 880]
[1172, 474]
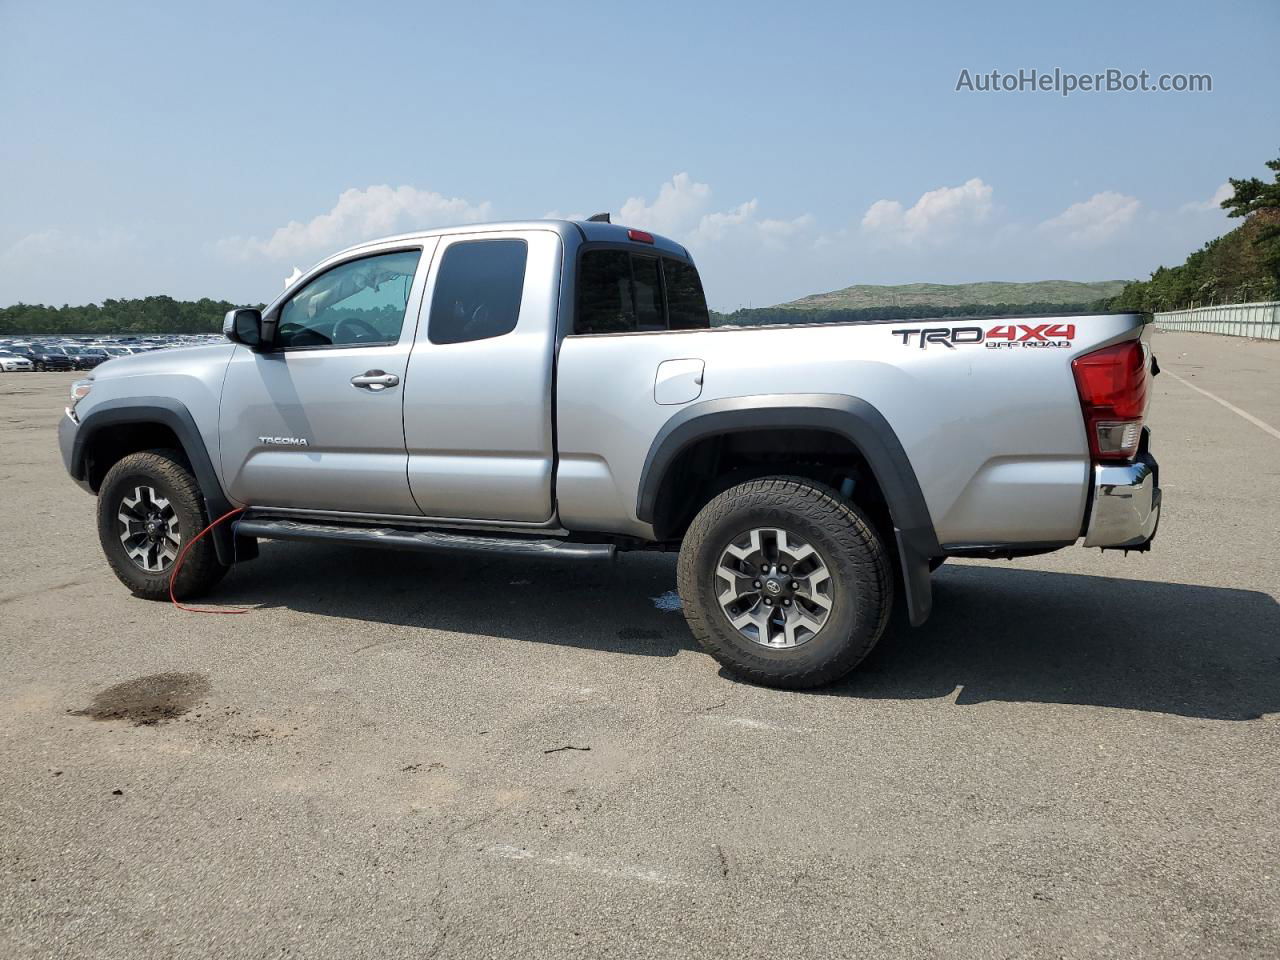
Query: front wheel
[149, 508]
[785, 583]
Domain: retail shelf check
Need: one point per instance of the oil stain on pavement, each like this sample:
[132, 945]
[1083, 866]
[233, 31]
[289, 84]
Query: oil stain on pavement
[148, 700]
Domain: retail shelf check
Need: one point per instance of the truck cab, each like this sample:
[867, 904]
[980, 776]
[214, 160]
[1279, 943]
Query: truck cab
[414, 376]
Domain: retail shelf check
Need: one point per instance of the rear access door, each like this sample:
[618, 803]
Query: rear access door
[478, 390]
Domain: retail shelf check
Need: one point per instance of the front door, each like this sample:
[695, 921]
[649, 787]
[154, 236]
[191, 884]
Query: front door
[316, 422]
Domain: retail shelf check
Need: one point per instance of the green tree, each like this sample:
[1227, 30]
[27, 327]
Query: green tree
[147, 315]
[1259, 200]
[1238, 267]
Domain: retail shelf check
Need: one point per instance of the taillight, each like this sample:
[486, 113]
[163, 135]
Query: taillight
[1112, 383]
[640, 236]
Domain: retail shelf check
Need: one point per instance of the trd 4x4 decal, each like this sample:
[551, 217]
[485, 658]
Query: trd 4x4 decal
[1004, 336]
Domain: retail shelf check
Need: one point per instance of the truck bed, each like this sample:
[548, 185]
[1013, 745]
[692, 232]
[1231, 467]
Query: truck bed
[986, 410]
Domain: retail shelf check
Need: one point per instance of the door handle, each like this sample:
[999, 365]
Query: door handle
[374, 380]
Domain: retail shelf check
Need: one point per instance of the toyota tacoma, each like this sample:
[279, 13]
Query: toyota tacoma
[555, 389]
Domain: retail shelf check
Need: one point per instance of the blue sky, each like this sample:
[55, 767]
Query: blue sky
[207, 149]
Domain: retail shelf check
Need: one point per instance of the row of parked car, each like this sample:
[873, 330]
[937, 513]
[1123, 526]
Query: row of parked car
[25, 354]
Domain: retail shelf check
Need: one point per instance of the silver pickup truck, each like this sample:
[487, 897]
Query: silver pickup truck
[555, 389]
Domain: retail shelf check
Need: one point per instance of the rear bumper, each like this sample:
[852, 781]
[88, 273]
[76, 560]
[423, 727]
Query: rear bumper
[1125, 509]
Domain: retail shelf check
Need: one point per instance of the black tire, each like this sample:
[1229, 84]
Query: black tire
[167, 473]
[859, 565]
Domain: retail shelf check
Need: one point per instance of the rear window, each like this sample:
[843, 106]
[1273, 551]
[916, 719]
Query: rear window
[478, 291]
[686, 306]
[624, 292]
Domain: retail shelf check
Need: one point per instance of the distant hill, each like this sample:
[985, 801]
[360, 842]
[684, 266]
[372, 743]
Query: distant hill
[865, 295]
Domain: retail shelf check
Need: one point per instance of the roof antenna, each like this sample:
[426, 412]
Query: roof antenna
[599, 218]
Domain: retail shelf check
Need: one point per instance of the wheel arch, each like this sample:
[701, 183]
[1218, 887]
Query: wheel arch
[854, 420]
[114, 429]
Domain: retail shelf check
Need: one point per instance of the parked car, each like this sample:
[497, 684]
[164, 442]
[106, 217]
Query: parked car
[86, 359]
[553, 389]
[48, 360]
[13, 363]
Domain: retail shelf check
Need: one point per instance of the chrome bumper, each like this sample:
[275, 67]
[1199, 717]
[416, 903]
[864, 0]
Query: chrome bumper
[1126, 504]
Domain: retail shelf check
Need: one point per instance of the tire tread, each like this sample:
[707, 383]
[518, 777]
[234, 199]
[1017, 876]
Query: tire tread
[852, 533]
[201, 568]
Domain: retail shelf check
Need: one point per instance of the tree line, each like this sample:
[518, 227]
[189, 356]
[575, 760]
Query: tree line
[1242, 266]
[144, 316]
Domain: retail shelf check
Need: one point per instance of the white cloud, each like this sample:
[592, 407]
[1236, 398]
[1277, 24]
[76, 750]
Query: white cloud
[55, 243]
[1095, 220]
[883, 215]
[933, 216]
[679, 207]
[39, 244]
[716, 227]
[778, 230]
[72, 265]
[1213, 203]
[738, 251]
[682, 211]
[359, 215]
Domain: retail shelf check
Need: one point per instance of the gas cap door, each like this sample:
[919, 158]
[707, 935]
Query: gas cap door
[678, 381]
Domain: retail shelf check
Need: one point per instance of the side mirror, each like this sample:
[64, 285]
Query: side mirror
[244, 325]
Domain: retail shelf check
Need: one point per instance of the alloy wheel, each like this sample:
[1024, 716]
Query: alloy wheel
[149, 529]
[774, 588]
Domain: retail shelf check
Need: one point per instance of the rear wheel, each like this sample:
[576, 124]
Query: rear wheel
[785, 583]
[149, 508]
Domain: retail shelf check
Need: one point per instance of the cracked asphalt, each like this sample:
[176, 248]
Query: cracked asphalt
[397, 755]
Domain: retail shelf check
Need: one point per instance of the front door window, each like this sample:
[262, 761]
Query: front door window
[357, 303]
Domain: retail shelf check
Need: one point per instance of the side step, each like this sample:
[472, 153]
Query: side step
[427, 540]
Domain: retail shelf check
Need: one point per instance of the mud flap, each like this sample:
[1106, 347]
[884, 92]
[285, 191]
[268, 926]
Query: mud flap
[916, 578]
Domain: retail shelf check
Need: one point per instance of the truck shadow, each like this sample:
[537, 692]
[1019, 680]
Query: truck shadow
[613, 608]
[998, 633]
[1003, 634]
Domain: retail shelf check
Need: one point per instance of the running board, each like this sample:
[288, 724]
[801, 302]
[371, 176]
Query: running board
[432, 541]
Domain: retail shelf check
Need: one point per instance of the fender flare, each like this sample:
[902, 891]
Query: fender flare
[850, 417]
[173, 414]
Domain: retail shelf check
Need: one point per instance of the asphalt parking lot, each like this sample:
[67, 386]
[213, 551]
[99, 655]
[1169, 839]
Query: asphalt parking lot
[400, 755]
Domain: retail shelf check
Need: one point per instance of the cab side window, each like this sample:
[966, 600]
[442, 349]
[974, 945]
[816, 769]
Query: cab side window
[359, 303]
[478, 290]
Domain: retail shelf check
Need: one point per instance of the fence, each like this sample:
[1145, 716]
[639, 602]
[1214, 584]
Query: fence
[1258, 320]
